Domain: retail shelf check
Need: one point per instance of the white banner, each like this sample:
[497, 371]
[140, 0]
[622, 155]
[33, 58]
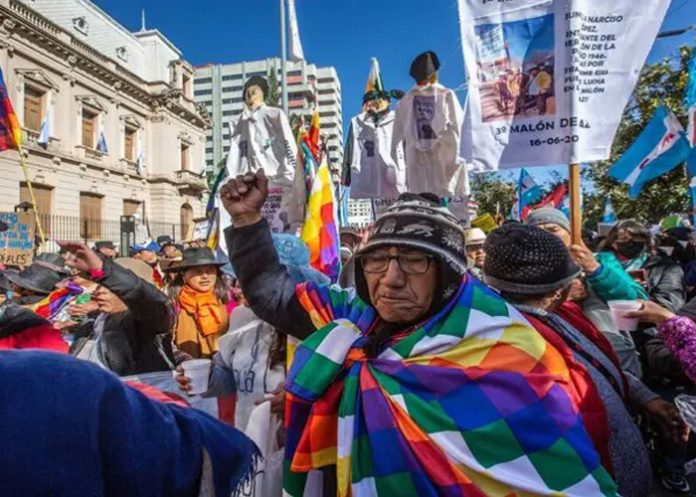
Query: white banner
[549, 79]
[296, 52]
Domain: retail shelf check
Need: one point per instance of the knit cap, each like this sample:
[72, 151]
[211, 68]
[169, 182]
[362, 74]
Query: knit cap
[548, 215]
[527, 260]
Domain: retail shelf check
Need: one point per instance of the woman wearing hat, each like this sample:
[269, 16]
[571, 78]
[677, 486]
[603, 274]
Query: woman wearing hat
[201, 295]
[532, 269]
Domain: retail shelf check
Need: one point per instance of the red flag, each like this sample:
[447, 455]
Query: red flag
[553, 199]
[10, 131]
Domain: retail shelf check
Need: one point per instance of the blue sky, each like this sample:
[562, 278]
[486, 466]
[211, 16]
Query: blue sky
[341, 33]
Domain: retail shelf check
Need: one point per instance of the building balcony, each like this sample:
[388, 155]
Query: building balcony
[189, 180]
[30, 139]
[84, 152]
[129, 166]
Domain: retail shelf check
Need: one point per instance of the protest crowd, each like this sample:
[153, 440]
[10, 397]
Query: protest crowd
[287, 353]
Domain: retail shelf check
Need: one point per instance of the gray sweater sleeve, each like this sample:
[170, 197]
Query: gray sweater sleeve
[265, 282]
[638, 393]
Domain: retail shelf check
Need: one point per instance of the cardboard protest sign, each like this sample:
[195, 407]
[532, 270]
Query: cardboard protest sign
[549, 80]
[485, 222]
[17, 243]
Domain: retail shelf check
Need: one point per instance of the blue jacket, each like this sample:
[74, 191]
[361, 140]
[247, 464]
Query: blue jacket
[72, 429]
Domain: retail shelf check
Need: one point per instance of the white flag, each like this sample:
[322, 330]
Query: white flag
[296, 52]
[45, 134]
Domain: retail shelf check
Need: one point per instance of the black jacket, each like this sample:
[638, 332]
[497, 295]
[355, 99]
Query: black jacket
[665, 282]
[132, 341]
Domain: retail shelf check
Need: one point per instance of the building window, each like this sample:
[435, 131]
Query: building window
[186, 217]
[89, 128]
[44, 200]
[325, 80]
[184, 157]
[131, 207]
[203, 81]
[325, 92]
[231, 77]
[129, 143]
[33, 114]
[186, 86]
[198, 93]
[231, 89]
[209, 150]
[90, 215]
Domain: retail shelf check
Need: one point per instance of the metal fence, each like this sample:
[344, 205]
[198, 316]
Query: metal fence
[91, 230]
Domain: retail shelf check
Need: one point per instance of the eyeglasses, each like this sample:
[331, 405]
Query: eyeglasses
[409, 264]
[474, 247]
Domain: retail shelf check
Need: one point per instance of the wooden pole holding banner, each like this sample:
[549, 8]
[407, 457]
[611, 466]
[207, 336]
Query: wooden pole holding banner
[25, 169]
[575, 200]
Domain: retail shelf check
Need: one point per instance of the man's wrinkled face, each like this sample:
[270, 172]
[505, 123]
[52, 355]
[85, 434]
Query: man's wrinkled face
[108, 302]
[401, 283]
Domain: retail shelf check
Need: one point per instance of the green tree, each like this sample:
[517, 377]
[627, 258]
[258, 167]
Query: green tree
[273, 97]
[493, 193]
[661, 83]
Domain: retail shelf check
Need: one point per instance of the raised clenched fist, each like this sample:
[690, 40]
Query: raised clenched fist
[244, 196]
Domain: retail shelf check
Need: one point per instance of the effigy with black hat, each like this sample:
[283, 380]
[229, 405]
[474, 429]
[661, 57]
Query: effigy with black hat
[369, 166]
[428, 125]
[263, 139]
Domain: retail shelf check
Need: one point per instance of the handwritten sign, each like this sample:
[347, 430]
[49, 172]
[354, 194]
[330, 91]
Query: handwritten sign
[17, 243]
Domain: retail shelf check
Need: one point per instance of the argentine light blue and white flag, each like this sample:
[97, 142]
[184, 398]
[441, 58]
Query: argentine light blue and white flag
[660, 148]
[45, 134]
[609, 214]
[690, 104]
[528, 192]
[101, 144]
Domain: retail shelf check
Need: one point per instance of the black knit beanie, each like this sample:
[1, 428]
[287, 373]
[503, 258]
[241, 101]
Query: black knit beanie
[418, 222]
[527, 260]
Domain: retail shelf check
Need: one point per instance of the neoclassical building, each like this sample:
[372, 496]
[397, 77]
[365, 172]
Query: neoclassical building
[110, 125]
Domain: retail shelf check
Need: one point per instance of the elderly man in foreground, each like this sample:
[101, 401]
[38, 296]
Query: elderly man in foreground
[421, 380]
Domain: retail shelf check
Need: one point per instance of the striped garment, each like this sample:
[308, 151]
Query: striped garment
[472, 403]
[320, 231]
[49, 307]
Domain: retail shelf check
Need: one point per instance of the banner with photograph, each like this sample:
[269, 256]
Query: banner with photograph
[549, 79]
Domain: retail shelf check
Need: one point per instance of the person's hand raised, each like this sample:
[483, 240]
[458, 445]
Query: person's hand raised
[244, 196]
[81, 257]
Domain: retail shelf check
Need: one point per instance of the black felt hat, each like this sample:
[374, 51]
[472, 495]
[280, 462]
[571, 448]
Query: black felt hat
[108, 244]
[424, 66]
[195, 257]
[38, 278]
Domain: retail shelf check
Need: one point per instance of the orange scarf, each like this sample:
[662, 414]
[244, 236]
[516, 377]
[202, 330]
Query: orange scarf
[205, 308]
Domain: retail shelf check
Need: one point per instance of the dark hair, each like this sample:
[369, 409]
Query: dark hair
[634, 228]
[222, 288]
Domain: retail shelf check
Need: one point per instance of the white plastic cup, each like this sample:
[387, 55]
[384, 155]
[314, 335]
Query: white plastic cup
[621, 307]
[198, 371]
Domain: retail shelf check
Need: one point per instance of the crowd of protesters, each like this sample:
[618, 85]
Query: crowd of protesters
[411, 308]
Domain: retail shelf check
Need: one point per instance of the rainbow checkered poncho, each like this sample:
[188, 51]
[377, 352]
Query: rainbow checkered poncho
[472, 403]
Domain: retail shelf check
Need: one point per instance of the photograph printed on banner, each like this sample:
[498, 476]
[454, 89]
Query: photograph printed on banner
[515, 63]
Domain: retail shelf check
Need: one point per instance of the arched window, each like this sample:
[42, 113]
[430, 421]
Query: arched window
[186, 221]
